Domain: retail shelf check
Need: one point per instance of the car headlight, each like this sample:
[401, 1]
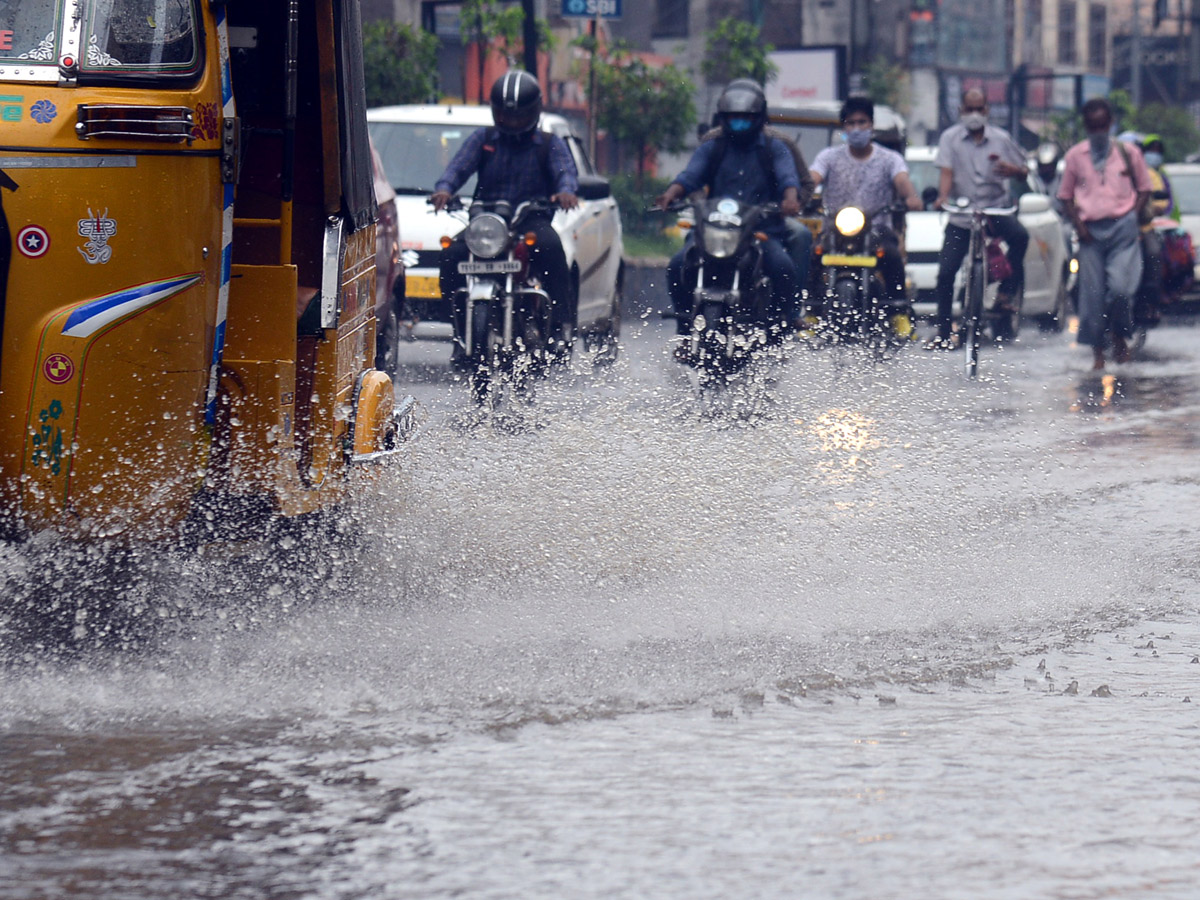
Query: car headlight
[721, 242]
[487, 235]
[850, 221]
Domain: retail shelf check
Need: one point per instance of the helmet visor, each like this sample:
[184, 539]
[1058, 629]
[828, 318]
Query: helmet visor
[515, 121]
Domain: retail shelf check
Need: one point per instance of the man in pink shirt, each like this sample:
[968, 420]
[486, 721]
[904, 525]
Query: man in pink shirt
[1104, 187]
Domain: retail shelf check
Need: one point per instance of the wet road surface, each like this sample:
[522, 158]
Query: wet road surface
[850, 630]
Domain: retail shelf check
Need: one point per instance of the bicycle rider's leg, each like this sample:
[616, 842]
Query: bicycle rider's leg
[1013, 233]
[955, 246]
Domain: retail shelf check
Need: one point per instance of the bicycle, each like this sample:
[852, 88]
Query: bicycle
[977, 272]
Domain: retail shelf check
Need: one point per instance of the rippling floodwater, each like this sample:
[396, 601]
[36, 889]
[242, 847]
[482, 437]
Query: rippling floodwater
[854, 632]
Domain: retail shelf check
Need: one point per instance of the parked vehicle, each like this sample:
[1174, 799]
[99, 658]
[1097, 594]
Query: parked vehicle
[417, 142]
[187, 316]
[1046, 260]
[733, 313]
[389, 272]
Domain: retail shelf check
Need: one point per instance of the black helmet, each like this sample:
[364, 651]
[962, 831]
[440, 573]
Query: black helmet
[742, 101]
[516, 102]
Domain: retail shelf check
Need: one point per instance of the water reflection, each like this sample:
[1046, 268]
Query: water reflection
[846, 438]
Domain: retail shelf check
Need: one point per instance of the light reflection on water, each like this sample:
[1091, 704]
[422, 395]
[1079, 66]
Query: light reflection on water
[639, 652]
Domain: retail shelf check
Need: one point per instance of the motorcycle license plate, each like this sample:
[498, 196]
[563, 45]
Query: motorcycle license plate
[491, 267]
[832, 259]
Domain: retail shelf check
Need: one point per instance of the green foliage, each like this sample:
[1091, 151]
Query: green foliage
[485, 21]
[887, 84]
[1174, 125]
[634, 201]
[735, 49]
[642, 106]
[400, 64]
[1122, 110]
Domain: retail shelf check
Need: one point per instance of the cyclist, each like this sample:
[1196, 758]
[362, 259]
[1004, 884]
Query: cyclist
[516, 162]
[748, 165]
[868, 175]
[976, 160]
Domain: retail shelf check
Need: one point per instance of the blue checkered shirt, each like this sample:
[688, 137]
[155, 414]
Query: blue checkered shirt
[513, 172]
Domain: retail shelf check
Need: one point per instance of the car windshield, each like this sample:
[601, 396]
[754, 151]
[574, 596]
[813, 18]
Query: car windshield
[416, 154]
[1185, 188]
[924, 174]
[152, 37]
[28, 29]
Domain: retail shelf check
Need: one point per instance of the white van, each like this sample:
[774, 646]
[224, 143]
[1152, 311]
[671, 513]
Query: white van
[416, 144]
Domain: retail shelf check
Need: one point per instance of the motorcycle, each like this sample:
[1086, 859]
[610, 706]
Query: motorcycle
[734, 316]
[509, 334]
[853, 306]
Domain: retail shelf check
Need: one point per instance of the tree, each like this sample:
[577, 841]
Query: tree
[735, 49]
[643, 106]
[887, 84]
[1171, 123]
[488, 21]
[399, 63]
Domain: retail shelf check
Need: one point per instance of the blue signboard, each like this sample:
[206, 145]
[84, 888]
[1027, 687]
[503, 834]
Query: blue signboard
[591, 9]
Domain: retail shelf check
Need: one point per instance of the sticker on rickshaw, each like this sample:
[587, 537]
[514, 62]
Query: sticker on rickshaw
[58, 368]
[33, 241]
[47, 440]
[97, 229]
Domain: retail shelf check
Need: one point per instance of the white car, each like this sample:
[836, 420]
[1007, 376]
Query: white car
[416, 144]
[1185, 189]
[1046, 260]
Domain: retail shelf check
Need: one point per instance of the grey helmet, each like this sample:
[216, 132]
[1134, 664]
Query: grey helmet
[742, 101]
[516, 103]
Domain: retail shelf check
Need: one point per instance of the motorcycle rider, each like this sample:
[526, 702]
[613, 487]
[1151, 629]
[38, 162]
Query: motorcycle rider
[1147, 309]
[748, 165]
[868, 175]
[515, 162]
[976, 160]
[799, 242]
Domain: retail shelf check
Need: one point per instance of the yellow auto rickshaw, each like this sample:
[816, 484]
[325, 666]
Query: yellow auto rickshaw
[187, 263]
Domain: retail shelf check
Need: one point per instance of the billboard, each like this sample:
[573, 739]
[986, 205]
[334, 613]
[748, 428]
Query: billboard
[807, 74]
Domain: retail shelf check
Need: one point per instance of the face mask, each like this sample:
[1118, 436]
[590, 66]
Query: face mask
[740, 126]
[858, 138]
[1154, 160]
[974, 121]
[1099, 142]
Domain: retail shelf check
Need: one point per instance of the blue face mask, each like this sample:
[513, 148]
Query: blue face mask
[1153, 159]
[858, 138]
[740, 126]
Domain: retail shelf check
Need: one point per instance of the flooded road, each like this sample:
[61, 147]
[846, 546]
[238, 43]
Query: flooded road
[851, 631]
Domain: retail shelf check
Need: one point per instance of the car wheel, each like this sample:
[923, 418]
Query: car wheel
[605, 344]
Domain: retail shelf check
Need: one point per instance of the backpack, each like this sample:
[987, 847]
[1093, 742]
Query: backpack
[764, 158]
[489, 153]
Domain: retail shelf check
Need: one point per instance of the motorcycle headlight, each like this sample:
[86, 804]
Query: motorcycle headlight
[850, 221]
[721, 242]
[487, 235]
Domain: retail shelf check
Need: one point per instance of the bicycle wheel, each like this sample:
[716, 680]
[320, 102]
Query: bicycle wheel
[973, 316]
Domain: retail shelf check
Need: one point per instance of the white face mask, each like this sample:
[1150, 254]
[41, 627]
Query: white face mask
[974, 120]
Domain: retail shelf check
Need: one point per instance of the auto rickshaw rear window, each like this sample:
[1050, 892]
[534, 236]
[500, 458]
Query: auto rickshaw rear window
[29, 31]
[145, 37]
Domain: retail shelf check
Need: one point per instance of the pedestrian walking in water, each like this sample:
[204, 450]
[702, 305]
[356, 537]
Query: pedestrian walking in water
[1104, 188]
